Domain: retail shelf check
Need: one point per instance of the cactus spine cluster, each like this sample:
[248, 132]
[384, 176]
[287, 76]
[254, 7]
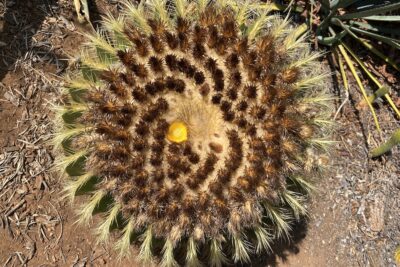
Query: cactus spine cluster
[193, 126]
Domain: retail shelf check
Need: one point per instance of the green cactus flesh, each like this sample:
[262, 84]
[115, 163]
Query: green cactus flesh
[251, 99]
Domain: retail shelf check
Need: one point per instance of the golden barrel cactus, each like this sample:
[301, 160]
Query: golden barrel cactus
[194, 127]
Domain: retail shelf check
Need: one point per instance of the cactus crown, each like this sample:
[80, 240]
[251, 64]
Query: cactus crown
[195, 125]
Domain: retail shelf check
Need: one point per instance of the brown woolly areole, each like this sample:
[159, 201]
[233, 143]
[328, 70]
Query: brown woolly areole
[250, 124]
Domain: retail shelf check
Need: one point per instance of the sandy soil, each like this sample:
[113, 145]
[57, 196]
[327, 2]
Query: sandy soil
[353, 216]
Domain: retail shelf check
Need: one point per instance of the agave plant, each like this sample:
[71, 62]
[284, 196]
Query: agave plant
[194, 127]
[343, 22]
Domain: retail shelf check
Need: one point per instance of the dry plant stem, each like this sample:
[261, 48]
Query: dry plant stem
[360, 85]
[82, 5]
[345, 83]
[372, 77]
